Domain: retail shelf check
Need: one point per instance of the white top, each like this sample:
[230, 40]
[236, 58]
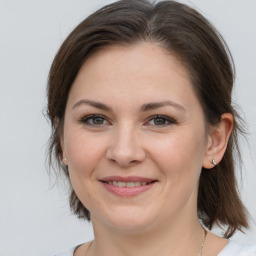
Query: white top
[237, 249]
[231, 249]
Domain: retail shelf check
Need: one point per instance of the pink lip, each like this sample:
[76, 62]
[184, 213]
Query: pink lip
[127, 179]
[127, 191]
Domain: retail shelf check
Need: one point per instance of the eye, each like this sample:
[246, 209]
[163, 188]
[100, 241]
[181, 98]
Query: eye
[94, 120]
[160, 120]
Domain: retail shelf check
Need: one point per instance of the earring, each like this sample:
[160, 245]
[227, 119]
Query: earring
[214, 162]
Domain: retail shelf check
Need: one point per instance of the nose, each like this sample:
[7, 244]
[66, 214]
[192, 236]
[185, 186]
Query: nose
[125, 147]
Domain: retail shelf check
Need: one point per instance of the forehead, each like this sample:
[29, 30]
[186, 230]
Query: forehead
[139, 60]
[145, 72]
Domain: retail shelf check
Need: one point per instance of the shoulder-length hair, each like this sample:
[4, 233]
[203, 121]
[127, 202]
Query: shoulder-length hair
[184, 32]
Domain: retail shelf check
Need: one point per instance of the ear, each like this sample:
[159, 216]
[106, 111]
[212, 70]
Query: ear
[217, 140]
[64, 157]
[61, 138]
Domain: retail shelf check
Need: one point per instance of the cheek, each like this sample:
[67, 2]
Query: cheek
[84, 152]
[179, 159]
[180, 155]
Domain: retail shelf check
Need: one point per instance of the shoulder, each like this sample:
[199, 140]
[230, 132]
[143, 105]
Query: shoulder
[238, 249]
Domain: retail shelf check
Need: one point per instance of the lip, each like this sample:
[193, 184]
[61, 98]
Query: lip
[127, 191]
[127, 179]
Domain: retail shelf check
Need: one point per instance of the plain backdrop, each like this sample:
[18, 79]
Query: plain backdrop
[34, 218]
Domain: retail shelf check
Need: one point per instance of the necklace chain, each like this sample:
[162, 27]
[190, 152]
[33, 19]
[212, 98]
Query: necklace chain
[199, 254]
[203, 242]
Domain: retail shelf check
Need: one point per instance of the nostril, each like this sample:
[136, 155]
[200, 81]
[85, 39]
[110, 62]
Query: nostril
[123, 162]
[125, 152]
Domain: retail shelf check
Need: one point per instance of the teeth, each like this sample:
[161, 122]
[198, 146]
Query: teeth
[121, 184]
[127, 184]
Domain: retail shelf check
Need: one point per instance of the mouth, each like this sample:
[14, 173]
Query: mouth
[122, 184]
[127, 186]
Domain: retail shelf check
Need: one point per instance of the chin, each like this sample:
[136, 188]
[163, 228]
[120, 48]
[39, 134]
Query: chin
[129, 222]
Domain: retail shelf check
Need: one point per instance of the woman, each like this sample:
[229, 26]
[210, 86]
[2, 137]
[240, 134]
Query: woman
[139, 97]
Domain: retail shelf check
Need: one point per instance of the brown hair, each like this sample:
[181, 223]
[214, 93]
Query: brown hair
[186, 33]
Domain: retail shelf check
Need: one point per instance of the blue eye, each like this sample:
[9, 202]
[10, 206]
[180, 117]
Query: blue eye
[160, 120]
[94, 120]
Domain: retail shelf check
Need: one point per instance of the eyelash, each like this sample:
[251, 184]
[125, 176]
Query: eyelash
[85, 120]
[165, 118]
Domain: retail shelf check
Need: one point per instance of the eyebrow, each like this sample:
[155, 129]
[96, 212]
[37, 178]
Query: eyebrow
[143, 108]
[155, 105]
[93, 103]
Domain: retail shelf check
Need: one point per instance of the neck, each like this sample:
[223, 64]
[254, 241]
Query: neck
[153, 241]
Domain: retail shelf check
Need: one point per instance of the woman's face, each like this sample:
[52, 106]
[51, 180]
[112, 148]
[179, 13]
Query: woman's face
[134, 138]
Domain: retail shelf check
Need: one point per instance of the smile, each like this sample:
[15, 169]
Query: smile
[127, 186]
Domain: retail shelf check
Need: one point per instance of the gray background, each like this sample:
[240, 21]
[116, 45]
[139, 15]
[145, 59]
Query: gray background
[35, 218]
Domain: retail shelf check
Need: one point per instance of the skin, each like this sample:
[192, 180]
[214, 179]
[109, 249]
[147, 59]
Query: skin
[126, 141]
